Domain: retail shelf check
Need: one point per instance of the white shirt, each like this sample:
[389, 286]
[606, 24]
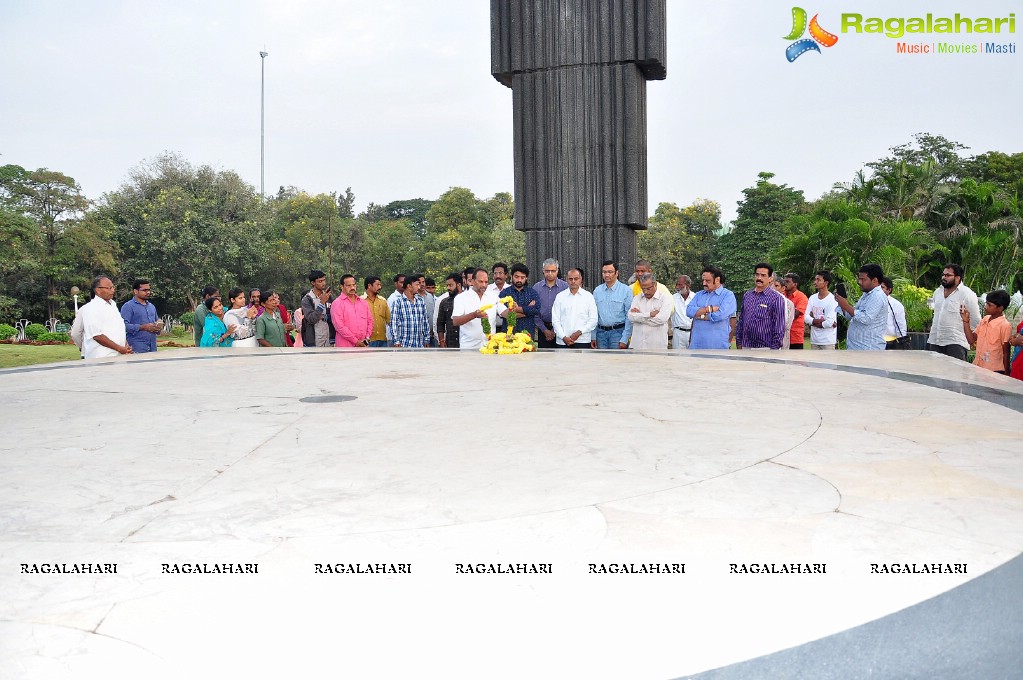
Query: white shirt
[648, 331]
[678, 314]
[470, 335]
[436, 310]
[573, 313]
[100, 317]
[790, 316]
[947, 328]
[896, 327]
[826, 309]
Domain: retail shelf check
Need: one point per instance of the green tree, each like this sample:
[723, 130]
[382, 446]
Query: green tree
[759, 227]
[680, 240]
[185, 227]
[64, 249]
[465, 231]
[840, 236]
[307, 232]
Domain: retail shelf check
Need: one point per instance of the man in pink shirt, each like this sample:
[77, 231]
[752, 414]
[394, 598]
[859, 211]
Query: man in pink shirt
[353, 320]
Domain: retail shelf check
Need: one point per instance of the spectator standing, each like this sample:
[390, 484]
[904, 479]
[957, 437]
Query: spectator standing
[243, 318]
[526, 303]
[447, 332]
[548, 289]
[681, 324]
[430, 294]
[649, 315]
[140, 318]
[574, 314]
[613, 300]
[215, 332]
[822, 314]
[790, 313]
[409, 325]
[316, 304]
[201, 311]
[761, 322]
[947, 336]
[103, 327]
[352, 317]
[868, 318]
[895, 326]
[270, 328]
[797, 334]
[712, 311]
[993, 334]
[380, 309]
[499, 274]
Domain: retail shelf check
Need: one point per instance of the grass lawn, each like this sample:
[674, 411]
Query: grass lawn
[12, 356]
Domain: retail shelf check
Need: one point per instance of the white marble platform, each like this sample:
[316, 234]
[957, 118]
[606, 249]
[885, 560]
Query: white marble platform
[446, 458]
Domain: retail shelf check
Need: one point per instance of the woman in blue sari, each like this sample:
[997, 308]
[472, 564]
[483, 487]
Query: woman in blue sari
[214, 332]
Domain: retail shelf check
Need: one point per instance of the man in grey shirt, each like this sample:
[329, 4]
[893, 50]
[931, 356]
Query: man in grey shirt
[315, 311]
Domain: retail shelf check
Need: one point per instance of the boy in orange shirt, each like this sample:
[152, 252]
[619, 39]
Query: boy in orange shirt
[993, 333]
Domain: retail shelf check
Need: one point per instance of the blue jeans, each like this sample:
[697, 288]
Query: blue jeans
[379, 343]
[608, 339]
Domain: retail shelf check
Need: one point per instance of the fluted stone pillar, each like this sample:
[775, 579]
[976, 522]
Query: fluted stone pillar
[578, 72]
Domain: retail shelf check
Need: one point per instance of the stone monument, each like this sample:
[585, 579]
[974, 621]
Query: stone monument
[578, 70]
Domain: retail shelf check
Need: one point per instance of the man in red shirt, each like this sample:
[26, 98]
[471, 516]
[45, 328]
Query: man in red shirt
[800, 300]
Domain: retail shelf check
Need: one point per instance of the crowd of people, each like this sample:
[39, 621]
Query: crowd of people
[561, 313]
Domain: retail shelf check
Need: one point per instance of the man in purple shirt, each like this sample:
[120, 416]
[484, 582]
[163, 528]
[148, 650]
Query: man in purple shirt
[762, 319]
[140, 318]
[548, 289]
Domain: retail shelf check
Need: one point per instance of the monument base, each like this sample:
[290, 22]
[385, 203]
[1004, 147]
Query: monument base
[584, 247]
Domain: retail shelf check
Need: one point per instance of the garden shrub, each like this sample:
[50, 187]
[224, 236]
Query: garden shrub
[34, 330]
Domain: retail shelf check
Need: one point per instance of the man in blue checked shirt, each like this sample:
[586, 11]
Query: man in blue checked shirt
[409, 323]
[867, 320]
[613, 300]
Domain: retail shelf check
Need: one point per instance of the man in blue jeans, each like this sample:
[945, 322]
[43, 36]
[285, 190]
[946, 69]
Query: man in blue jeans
[613, 300]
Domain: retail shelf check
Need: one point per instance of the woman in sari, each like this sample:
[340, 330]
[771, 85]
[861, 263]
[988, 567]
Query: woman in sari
[214, 332]
[243, 317]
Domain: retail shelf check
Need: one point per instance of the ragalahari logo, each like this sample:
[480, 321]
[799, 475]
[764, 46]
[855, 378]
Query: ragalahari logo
[818, 35]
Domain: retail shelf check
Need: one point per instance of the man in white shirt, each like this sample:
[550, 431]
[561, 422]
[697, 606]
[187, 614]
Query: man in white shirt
[399, 290]
[681, 324]
[650, 312]
[466, 313]
[105, 334]
[574, 314]
[896, 327]
[822, 314]
[947, 335]
[499, 272]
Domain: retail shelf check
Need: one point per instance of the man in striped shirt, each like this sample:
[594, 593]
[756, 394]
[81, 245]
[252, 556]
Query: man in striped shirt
[762, 319]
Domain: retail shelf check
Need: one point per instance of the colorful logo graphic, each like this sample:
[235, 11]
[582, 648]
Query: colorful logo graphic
[818, 35]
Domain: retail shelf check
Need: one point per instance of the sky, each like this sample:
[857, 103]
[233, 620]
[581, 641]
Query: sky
[394, 98]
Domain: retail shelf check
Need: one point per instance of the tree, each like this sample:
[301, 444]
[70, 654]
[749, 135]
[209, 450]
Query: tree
[759, 227]
[185, 227]
[840, 236]
[680, 241]
[54, 203]
[908, 183]
[306, 233]
[464, 231]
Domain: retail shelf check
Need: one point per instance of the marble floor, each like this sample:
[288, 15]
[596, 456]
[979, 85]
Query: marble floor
[378, 514]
